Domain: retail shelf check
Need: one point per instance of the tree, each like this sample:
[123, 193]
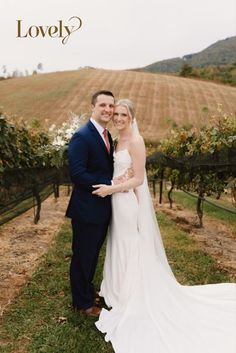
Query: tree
[40, 67]
[4, 72]
[186, 70]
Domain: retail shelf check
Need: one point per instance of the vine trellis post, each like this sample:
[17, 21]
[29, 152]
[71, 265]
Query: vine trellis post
[38, 204]
[169, 194]
[204, 173]
[200, 201]
[161, 186]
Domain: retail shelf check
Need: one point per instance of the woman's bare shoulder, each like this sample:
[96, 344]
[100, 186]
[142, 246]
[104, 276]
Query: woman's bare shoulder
[136, 140]
[137, 146]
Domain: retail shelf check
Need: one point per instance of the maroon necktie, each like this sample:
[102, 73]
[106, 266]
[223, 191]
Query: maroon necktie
[105, 134]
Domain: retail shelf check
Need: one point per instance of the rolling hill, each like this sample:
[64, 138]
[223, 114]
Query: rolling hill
[220, 53]
[161, 100]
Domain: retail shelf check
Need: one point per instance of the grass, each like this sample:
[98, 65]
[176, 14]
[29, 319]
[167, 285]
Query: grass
[189, 202]
[190, 264]
[35, 319]
[162, 101]
[40, 319]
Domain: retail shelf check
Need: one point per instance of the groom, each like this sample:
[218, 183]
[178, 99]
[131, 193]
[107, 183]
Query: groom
[90, 162]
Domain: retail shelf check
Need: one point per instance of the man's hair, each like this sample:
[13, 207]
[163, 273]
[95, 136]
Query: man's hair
[98, 93]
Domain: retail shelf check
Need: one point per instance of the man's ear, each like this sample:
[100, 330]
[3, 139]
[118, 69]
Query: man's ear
[92, 107]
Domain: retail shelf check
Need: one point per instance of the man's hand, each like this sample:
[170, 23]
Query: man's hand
[102, 190]
[118, 180]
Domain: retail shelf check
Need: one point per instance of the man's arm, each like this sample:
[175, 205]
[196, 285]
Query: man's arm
[78, 161]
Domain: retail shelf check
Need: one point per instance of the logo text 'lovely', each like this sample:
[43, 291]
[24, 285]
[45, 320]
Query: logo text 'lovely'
[59, 31]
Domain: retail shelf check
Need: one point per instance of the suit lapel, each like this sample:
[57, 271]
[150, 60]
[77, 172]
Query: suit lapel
[99, 138]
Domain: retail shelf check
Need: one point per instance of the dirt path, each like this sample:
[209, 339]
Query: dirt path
[23, 243]
[217, 238]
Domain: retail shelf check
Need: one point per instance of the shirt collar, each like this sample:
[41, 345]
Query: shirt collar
[97, 126]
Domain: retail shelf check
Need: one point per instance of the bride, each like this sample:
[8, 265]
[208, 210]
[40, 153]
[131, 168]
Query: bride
[150, 311]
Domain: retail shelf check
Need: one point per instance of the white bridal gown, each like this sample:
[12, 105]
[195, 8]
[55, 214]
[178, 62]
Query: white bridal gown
[151, 312]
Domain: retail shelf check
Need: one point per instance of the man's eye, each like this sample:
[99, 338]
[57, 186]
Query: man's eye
[115, 114]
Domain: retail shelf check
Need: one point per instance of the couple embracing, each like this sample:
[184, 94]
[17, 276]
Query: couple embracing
[149, 310]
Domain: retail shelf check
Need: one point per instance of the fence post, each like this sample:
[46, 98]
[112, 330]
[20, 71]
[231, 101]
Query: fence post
[200, 201]
[68, 190]
[169, 195]
[154, 187]
[56, 190]
[161, 187]
[38, 205]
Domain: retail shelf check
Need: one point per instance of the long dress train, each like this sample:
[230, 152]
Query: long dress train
[151, 312]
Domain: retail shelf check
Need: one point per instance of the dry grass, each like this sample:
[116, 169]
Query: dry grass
[160, 99]
[40, 319]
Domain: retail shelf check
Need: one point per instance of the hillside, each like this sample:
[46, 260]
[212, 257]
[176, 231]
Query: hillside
[220, 53]
[161, 100]
[169, 65]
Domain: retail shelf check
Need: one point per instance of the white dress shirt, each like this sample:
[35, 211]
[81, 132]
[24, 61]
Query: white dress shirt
[99, 128]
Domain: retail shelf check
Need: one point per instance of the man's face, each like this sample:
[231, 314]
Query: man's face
[103, 109]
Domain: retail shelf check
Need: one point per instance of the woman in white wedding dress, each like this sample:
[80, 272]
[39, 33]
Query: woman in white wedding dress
[150, 311]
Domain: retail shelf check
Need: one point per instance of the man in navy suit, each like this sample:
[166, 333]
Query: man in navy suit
[90, 162]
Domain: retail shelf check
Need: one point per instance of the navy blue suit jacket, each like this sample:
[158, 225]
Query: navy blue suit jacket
[89, 164]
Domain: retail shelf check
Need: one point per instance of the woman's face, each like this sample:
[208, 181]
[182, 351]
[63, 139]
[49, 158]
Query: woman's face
[121, 118]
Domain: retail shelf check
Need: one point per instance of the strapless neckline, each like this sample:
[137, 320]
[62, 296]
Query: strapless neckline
[125, 149]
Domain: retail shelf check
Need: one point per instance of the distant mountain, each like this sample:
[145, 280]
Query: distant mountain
[220, 53]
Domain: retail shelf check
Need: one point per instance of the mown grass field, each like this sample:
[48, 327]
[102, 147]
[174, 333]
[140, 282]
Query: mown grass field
[161, 100]
[41, 320]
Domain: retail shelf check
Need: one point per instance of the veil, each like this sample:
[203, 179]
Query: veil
[148, 227]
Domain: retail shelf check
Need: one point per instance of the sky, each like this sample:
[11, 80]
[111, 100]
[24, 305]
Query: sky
[114, 34]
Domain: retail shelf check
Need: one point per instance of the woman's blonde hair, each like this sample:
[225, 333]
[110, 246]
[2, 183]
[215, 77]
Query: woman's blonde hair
[128, 104]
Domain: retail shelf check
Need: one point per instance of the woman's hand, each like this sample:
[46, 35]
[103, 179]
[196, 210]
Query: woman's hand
[124, 177]
[102, 190]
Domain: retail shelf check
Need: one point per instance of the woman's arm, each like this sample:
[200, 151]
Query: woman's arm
[138, 156]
